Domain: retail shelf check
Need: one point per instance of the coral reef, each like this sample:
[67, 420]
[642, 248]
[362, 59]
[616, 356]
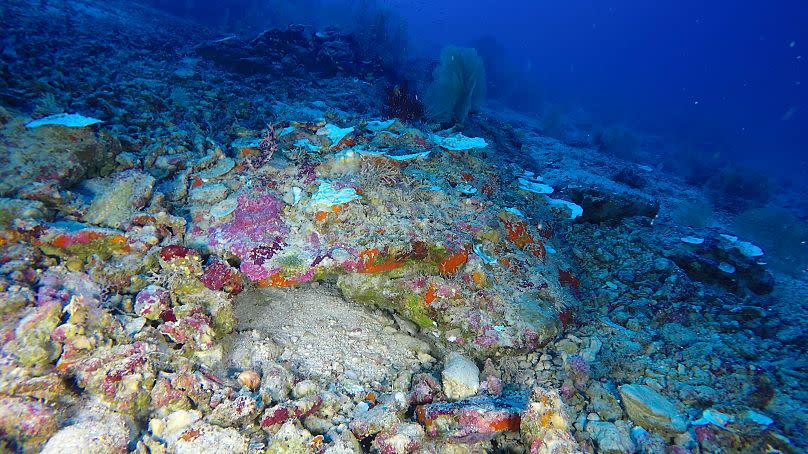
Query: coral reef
[262, 264]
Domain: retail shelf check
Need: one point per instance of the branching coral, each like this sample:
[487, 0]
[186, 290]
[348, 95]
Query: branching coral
[376, 171]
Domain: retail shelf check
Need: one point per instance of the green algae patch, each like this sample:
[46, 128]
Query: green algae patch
[381, 291]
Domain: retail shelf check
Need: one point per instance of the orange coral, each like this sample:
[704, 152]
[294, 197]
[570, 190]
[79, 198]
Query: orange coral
[369, 264]
[276, 280]
[511, 423]
[517, 233]
[320, 216]
[61, 241]
[429, 296]
[451, 264]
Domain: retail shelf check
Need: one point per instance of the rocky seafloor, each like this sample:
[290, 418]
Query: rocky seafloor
[245, 255]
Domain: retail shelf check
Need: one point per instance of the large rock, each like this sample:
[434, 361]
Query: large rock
[612, 205]
[652, 410]
[461, 377]
[116, 203]
[717, 261]
[96, 430]
[472, 420]
[40, 162]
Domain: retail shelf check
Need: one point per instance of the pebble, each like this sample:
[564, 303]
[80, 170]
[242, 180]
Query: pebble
[461, 377]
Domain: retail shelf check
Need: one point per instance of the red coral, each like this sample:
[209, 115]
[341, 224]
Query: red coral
[174, 251]
[566, 278]
[220, 276]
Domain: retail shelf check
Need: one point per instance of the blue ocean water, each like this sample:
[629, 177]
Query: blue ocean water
[403, 226]
[723, 77]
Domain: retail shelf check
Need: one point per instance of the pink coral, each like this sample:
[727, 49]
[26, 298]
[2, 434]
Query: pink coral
[254, 234]
[221, 276]
[579, 369]
[152, 301]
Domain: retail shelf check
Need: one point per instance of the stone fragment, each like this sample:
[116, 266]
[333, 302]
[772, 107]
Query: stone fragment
[276, 383]
[611, 438]
[652, 410]
[290, 439]
[234, 413]
[208, 194]
[401, 439]
[203, 437]
[385, 416]
[95, 431]
[603, 402]
[461, 377]
[249, 379]
[152, 301]
[475, 419]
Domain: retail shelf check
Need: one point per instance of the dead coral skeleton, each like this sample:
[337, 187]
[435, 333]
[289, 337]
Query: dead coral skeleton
[267, 147]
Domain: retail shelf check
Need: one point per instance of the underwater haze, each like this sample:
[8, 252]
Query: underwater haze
[403, 226]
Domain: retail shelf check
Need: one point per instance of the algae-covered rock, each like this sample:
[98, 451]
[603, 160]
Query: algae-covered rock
[27, 421]
[510, 324]
[202, 437]
[546, 425]
[32, 344]
[235, 412]
[290, 439]
[122, 376]
[53, 156]
[380, 290]
[611, 438]
[115, 204]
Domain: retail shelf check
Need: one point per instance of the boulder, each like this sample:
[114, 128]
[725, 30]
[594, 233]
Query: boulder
[718, 261]
[612, 205]
[472, 420]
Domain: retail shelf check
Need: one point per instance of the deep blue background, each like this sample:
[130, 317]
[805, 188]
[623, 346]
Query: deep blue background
[723, 78]
[719, 75]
